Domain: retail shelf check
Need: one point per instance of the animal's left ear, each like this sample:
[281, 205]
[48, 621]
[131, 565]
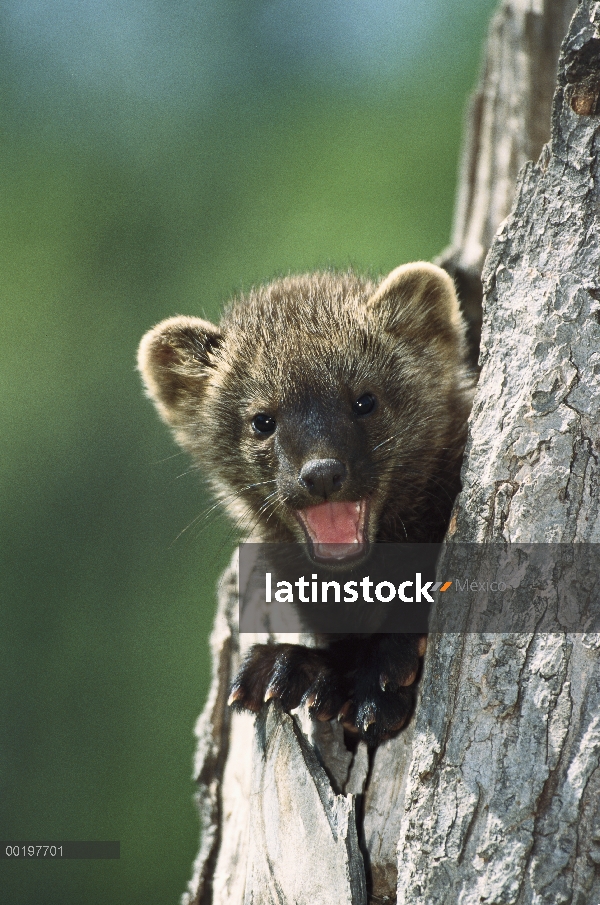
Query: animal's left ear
[419, 301]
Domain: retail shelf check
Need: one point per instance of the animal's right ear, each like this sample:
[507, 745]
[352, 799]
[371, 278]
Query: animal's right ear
[175, 359]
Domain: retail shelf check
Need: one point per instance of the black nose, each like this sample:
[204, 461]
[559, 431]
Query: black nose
[322, 477]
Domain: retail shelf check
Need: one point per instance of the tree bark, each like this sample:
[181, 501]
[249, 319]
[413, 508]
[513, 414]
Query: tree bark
[502, 799]
[508, 123]
[491, 793]
[276, 794]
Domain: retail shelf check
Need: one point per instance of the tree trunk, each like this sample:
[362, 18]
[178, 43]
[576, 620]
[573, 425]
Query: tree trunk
[491, 794]
[502, 800]
[508, 123]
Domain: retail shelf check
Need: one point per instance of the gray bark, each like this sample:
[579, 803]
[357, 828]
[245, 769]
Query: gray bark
[502, 798]
[508, 123]
[276, 794]
[298, 822]
[491, 793]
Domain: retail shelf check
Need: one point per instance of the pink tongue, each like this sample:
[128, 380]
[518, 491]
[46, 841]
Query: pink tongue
[333, 523]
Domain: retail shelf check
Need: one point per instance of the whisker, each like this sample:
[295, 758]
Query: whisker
[186, 472]
[181, 452]
[383, 442]
[224, 498]
[183, 530]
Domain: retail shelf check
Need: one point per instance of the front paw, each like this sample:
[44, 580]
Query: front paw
[376, 715]
[291, 674]
[384, 687]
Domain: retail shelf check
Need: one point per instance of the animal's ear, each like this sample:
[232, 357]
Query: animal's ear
[419, 301]
[175, 359]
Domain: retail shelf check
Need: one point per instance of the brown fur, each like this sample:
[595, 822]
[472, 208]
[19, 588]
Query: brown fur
[321, 339]
[303, 349]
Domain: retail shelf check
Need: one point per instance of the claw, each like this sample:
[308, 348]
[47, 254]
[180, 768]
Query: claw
[396, 727]
[368, 720]
[383, 681]
[350, 728]
[422, 645]
[410, 680]
[321, 717]
[270, 693]
[324, 717]
[343, 712]
[236, 695]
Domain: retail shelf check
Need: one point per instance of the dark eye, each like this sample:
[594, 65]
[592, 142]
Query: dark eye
[364, 405]
[263, 424]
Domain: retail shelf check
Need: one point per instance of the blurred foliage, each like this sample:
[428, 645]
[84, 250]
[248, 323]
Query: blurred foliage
[116, 212]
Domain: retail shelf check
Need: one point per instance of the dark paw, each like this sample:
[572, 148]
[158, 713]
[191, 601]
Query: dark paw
[289, 673]
[326, 695]
[384, 687]
[378, 715]
[368, 684]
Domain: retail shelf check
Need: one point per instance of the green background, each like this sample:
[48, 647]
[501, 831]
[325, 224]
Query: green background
[149, 167]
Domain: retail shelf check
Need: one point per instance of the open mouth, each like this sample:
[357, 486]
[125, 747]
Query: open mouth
[336, 531]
